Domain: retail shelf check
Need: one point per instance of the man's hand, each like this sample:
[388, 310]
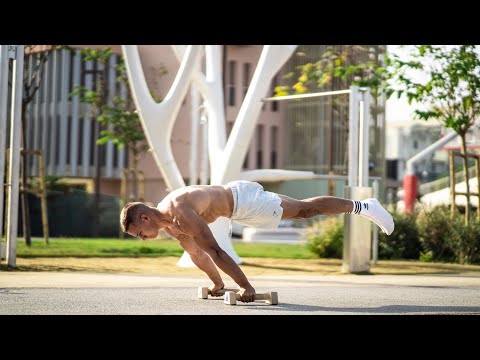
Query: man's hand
[247, 294]
[213, 290]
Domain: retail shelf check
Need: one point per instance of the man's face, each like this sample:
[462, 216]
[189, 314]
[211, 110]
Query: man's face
[145, 229]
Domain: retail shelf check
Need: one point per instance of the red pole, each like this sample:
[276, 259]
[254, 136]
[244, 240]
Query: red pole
[409, 192]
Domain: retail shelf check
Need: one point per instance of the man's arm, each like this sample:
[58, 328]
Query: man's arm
[191, 224]
[199, 258]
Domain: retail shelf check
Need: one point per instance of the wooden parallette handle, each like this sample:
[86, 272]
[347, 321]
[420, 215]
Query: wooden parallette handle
[203, 292]
[232, 297]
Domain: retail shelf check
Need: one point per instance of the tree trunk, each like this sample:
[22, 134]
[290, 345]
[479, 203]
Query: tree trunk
[135, 176]
[24, 194]
[465, 173]
[102, 101]
[96, 211]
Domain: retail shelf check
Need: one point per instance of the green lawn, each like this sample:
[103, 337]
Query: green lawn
[86, 247]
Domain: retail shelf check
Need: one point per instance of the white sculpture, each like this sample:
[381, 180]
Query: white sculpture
[226, 154]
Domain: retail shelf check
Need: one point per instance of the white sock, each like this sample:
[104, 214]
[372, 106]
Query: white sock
[358, 206]
[373, 211]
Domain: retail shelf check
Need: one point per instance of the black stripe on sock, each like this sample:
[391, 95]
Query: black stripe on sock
[359, 207]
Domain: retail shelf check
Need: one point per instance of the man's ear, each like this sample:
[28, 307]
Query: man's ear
[144, 217]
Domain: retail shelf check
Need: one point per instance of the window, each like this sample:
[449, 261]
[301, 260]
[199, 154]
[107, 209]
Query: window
[231, 82]
[274, 145]
[259, 146]
[392, 169]
[246, 78]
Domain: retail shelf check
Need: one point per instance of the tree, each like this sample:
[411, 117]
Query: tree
[31, 84]
[117, 122]
[450, 93]
[351, 65]
[340, 67]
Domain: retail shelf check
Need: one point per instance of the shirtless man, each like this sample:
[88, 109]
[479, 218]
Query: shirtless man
[184, 214]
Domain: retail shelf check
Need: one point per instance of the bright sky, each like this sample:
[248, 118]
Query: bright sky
[398, 109]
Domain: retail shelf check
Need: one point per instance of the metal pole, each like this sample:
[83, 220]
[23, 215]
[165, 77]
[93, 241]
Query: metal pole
[14, 171]
[410, 170]
[3, 123]
[353, 137]
[364, 139]
[303, 96]
[375, 193]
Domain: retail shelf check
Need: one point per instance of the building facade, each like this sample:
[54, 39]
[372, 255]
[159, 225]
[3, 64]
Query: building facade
[408, 138]
[297, 135]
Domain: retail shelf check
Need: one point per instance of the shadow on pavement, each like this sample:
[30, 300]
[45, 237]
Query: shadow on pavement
[55, 268]
[275, 267]
[387, 309]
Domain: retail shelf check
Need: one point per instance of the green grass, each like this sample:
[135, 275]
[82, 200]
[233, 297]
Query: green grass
[83, 247]
[279, 251]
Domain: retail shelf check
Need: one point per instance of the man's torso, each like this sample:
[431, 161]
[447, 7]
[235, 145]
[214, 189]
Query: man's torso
[209, 202]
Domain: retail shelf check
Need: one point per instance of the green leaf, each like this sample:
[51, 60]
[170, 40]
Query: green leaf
[103, 140]
[467, 102]
[389, 92]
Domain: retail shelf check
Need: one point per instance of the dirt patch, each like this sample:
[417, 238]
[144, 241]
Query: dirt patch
[251, 266]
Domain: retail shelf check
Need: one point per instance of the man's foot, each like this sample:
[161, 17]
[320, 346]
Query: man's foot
[374, 211]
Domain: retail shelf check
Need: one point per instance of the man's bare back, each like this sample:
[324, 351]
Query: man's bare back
[209, 202]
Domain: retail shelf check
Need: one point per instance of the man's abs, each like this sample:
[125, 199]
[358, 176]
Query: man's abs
[219, 203]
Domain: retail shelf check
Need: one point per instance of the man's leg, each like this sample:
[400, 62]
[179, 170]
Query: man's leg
[331, 205]
[320, 205]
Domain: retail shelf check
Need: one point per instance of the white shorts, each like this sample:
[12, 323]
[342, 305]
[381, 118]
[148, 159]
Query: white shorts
[255, 207]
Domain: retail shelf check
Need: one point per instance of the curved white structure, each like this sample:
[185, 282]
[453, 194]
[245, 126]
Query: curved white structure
[271, 60]
[275, 175]
[157, 119]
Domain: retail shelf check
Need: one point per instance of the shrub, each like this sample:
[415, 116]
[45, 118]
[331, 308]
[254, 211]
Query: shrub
[325, 238]
[435, 231]
[465, 240]
[403, 243]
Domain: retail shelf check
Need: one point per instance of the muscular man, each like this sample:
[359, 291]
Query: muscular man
[184, 214]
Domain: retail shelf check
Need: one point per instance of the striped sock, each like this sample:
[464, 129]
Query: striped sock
[357, 207]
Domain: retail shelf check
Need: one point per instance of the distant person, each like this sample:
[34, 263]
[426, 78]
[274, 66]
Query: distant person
[184, 214]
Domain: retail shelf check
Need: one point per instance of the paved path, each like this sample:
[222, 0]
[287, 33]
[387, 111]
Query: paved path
[121, 293]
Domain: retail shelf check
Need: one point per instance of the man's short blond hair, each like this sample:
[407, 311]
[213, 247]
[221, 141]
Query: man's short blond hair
[130, 214]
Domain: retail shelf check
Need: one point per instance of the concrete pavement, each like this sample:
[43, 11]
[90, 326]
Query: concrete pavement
[127, 293]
